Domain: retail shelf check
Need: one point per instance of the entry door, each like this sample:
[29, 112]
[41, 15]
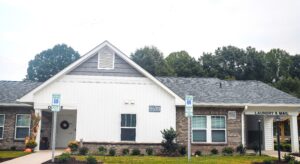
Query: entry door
[66, 128]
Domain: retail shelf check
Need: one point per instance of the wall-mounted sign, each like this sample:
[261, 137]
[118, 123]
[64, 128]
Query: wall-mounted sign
[271, 113]
[188, 106]
[153, 108]
[231, 115]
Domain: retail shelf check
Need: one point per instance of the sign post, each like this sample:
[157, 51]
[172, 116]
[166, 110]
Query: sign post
[189, 114]
[55, 107]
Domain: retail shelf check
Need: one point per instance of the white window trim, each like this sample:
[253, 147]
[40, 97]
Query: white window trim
[1, 137]
[22, 126]
[127, 127]
[113, 64]
[209, 130]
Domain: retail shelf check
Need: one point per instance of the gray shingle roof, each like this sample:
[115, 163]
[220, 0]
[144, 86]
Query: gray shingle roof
[208, 90]
[10, 91]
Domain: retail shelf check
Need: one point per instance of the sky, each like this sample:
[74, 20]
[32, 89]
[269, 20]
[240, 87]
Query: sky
[197, 26]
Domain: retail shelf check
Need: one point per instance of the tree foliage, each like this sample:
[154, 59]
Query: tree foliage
[169, 145]
[49, 62]
[276, 67]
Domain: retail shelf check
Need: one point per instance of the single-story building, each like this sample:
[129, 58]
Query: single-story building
[109, 100]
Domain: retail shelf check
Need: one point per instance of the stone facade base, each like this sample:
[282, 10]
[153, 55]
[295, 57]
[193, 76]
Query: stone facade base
[93, 146]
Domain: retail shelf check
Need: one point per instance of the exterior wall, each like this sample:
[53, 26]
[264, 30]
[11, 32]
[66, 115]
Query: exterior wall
[9, 127]
[234, 129]
[93, 146]
[100, 101]
[121, 68]
[268, 133]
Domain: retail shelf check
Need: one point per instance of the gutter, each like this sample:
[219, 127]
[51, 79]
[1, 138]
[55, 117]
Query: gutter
[14, 105]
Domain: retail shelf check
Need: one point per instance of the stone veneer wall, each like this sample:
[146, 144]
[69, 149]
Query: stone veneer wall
[119, 146]
[234, 128]
[9, 126]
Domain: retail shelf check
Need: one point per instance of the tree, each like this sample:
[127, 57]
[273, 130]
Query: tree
[295, 66]
[289, 85]
[183, 64]
[49, 62]
[152, 60]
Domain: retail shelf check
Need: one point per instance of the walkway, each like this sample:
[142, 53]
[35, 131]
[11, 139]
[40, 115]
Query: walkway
[275, 154]
[34, 158]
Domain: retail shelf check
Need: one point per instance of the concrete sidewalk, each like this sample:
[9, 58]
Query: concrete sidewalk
[275, 154]
[34, 158]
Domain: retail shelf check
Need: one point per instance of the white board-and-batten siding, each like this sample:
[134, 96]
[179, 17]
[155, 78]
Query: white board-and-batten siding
[100, 101]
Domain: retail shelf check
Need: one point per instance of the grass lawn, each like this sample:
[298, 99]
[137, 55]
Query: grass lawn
[11, 154]
[202, 159]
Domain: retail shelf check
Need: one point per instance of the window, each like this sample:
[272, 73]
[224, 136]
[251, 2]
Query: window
[2, 117]
[106, 60]
[128, 124]
[22, 129]
[199, 128]
[218, 128]
[209, 129]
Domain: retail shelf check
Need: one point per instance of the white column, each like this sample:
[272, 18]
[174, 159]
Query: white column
[243, 128]
[268, 133]
[294, 132]
[38, 136]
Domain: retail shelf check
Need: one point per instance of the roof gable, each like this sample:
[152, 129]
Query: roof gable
[90, 66]
[29, 96]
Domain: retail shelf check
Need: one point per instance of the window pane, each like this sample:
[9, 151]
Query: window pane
[123, 119]
[199, 135]
[127, 134]
[199, 122]
[218, 122]
[1, 120]
[23, 120]
[128, 120]
[1, 132]
[218, 135]
[22, 132]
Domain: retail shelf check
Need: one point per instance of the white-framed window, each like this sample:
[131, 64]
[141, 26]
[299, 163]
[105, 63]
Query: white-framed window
[22, 128]
[128, 127]
[209, 129]
[106, 60]
[2, 121]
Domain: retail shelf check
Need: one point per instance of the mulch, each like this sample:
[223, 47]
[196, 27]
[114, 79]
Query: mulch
[71, 161]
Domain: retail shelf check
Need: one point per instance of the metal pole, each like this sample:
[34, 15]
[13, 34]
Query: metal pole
[278, 139]
[259, 138]
[53, 135]
[189, 138]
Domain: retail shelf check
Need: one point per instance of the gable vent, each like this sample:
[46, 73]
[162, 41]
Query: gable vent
[106, 60]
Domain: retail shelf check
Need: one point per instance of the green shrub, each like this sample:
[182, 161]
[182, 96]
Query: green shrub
[241, 149]
[63, 158]
[198, 153]
[182, 150]
[112, 152]
[267, 161]
[31, 144]
[102, 150]
[83, 150]
[227, 151]
[125, 151]
[13, 148]
[135, 151]
[214, 151]
[91, 160]
[73, 145]
[149, 151]
[287, 147]
[169, 145]
[288, 158]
